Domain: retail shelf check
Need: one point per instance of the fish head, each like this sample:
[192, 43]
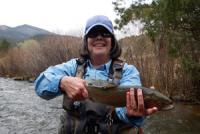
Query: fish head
[156, 99]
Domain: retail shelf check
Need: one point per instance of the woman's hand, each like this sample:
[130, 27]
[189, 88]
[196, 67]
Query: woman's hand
[74, 87]
[135, 104]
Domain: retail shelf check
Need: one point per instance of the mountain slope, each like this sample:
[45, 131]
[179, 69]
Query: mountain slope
[21, 32]
[31, 30]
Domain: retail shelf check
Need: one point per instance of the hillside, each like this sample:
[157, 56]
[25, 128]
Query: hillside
[22, 32]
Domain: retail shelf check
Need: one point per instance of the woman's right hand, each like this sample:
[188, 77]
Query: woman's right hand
[74, 87]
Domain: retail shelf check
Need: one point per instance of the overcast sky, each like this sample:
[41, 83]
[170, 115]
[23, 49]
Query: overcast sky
[61, 16]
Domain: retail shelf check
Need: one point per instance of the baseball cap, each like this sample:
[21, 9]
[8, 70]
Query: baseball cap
[99, 20]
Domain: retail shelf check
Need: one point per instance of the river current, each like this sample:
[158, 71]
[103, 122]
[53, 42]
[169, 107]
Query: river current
[23, 112]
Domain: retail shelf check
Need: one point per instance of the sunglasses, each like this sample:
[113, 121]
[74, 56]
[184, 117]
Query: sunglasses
[102, 34]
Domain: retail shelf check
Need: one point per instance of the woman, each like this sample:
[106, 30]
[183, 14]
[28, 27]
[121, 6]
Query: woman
[99, 52]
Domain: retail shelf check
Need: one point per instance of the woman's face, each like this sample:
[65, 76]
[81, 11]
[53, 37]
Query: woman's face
[99, 41]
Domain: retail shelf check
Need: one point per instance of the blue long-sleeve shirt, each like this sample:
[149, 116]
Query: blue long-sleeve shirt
[47, 84]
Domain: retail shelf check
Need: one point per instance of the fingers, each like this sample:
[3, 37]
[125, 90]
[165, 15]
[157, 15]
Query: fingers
[128, 100]
[135, 102]
[133, 99]
[150, 111]
[74, 87]
[80, 91]
[84, 90]
[140, 101]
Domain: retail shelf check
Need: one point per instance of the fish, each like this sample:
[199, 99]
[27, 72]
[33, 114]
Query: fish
[109, 93]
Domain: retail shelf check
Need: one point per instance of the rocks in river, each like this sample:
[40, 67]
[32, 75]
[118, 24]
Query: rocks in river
[24, 78]
[19, 78]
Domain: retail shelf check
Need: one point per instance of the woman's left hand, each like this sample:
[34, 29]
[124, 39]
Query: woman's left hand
[135, 104]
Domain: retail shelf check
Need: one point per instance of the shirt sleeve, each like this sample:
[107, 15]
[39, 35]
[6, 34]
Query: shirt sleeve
[130, 77]
[47, 83]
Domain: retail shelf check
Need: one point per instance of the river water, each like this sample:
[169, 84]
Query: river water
[23, 112]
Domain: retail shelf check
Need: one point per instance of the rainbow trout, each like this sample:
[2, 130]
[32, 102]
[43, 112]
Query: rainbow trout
[110, 94]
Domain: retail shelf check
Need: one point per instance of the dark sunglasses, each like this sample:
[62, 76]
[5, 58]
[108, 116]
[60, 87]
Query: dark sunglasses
[102, 34]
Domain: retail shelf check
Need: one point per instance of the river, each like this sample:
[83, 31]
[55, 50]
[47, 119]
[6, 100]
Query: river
[23, 112]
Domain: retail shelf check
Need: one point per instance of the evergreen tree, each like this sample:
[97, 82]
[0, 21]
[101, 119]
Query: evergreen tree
[173, 26]
[4, 45]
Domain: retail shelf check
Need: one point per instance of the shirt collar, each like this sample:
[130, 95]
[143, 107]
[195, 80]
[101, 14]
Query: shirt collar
[105, 66]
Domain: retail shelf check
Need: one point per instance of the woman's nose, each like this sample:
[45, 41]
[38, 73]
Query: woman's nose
[99, 36]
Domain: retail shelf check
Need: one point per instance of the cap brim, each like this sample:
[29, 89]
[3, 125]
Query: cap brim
[98, 24]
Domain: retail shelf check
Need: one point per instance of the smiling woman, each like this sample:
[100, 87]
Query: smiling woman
[98, 60]
[99, 45]
[100, 41]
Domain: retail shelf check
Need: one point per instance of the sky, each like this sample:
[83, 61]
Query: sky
[59, 16]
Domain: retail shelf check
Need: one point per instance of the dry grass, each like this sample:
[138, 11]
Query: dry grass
[32, 57]
[163, 73]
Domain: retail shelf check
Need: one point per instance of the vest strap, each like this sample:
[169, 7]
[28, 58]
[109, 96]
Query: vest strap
[115, 71]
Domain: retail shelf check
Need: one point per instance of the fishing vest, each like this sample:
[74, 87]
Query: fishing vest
[88, 117]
